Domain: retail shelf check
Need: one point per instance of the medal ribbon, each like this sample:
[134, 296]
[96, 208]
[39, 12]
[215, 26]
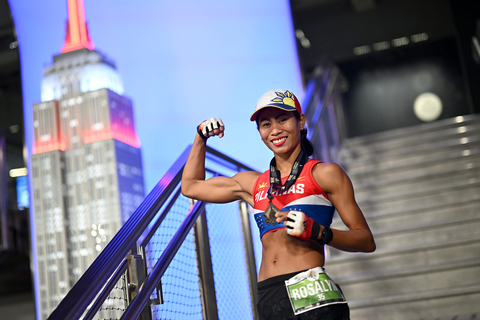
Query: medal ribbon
[276, 182]
[275, 179]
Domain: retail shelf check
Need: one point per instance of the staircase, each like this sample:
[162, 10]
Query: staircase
[419, 189]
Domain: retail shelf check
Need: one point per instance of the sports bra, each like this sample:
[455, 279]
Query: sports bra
[304, 195]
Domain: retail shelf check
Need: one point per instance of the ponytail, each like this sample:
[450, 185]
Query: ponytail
[307, 146]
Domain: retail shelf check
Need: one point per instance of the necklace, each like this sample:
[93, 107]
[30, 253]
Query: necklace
[276, 182]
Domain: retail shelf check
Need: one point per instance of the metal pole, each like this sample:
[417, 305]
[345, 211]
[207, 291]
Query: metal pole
[249, 257]
[205, 269]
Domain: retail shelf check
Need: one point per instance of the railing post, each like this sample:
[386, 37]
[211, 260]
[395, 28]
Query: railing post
[159, 290]
[249, 257]
[205, 270]
[136, 277]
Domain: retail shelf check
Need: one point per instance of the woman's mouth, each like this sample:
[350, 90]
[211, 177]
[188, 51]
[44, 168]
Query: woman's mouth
[278, 142]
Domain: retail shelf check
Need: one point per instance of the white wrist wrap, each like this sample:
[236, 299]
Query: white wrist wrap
[209, 125]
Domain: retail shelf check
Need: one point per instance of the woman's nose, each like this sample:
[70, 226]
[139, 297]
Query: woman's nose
[275, 127]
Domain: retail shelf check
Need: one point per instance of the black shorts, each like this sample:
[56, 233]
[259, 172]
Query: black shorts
[274, 304]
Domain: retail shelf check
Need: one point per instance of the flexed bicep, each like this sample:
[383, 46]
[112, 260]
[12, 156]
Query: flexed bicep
[222, 189]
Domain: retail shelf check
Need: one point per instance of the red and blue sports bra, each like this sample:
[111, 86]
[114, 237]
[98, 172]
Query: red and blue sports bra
[304, 195]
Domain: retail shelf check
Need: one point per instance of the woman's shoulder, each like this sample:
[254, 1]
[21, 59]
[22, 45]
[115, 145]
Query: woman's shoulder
[248, 175]
[325, 172]
[247, 179]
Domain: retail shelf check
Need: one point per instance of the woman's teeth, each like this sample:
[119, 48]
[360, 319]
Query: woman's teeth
[279, 141]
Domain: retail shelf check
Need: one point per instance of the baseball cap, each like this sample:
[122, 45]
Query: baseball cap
[277, 98]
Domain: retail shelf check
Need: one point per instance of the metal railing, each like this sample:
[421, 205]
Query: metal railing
[124, 259]
[324, 112]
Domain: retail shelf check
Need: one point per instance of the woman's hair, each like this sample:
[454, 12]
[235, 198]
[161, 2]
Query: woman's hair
[307, 146]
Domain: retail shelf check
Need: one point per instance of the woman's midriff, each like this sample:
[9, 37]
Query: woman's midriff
[283, 254]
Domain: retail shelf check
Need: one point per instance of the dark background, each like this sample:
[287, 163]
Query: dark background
[382, 85]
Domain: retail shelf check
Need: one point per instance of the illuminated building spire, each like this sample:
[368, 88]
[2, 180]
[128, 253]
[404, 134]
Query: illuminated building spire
[77, 33]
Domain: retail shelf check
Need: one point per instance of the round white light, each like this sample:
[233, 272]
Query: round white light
[428, 107]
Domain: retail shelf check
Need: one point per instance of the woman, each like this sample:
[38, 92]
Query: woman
[294, 203]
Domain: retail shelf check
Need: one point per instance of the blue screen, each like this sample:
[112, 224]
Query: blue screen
[181, 62]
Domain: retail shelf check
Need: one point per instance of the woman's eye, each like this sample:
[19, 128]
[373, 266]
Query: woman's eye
[265, 124]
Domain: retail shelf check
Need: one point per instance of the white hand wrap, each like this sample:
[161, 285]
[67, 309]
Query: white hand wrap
[209, 125]
[301, 226]
[295, 223]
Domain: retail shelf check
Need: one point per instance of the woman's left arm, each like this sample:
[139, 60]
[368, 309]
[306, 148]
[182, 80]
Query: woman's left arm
[338, 187]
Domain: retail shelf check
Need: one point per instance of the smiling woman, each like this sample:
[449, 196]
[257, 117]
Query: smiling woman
[293, 203]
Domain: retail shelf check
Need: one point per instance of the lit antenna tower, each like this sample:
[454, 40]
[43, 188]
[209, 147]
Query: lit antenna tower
[86, 164]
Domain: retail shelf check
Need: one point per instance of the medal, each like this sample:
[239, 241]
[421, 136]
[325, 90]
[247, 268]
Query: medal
[269, 214]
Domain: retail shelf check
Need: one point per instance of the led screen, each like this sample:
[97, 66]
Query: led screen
[180, 62]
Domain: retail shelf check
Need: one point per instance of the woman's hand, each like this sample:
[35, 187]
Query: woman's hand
[299, 225]
[216, 189]
[210, 128]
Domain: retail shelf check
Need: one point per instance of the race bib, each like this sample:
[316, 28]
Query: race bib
[312, 289]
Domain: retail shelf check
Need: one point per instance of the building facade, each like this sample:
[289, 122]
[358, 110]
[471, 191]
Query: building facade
[86, 164]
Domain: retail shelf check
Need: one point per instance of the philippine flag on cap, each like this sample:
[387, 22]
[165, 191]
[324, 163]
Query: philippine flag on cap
[277, 98]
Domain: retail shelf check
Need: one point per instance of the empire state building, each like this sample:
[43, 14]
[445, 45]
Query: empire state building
[86, 165]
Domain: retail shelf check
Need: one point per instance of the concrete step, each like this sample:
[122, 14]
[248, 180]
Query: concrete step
[429, 195]
[405, 138]
[381, 220]
[434, 304]
[415, 171]
[414, 232]
[430, 179]
[418, 159]
[340, 264]
[447, 199]
[375, 154]
[469, 316]
[424, 128]
[410, 279]
[429, 149]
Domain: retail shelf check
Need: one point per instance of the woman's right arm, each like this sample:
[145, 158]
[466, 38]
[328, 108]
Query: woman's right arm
[217, 189]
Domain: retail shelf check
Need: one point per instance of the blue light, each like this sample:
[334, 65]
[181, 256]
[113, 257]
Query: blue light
[92, 77]
[23, 201]
[51, 88]
[98, 76]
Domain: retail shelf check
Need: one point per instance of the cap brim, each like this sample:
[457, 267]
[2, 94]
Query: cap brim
[279, 106]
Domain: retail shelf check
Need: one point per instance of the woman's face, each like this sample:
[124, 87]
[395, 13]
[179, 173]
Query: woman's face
[280, 130]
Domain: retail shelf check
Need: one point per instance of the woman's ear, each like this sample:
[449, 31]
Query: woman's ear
[302, 121]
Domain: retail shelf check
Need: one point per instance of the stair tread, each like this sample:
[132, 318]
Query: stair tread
[380, 155]
[437, 223]
[392, 251]
[434, 190]
[407, 271]
[413, 296]
[408, 132]
[457, 198]
[415, 159]
[412, 172]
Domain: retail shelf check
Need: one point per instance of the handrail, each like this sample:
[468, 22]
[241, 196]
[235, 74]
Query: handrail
[106, 291]
[137, 305]
[92, 281]
[80, 297]
[150, 233]
[326, 98]
[324, 116]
